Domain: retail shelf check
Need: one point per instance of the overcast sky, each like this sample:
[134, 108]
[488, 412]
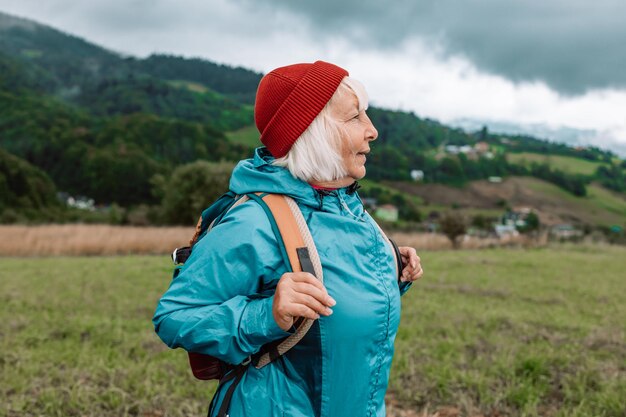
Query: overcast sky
[556, 64]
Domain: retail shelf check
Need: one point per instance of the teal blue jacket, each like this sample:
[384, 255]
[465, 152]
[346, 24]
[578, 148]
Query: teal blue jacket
[221, 303]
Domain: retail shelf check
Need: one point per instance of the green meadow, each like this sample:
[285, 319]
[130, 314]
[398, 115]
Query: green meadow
[499, 332]
[248, 136]
[564, 163]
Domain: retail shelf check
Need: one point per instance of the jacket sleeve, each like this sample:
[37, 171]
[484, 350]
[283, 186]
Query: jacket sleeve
[219, 304]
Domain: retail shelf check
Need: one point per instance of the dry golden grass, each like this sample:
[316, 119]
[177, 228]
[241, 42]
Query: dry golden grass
[81, 239]
[435, 241]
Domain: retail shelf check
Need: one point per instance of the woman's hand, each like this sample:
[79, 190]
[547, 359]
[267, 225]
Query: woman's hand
[300, 294]
[412, 270]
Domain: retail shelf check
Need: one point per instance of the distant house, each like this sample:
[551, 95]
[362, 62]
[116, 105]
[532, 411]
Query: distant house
[516, 217]
[503, 230]
[565, 231]
[453, 149]
[495, 180]
[481, 147]
[417, 175]
[80, 202]
[466, 149]
[387, 212]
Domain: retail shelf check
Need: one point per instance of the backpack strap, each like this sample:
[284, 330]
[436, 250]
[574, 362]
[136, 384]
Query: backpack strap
[180, 255]
[295, 236]
[216, 211]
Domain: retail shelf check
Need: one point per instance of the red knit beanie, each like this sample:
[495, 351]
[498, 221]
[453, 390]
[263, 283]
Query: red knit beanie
[288, 100]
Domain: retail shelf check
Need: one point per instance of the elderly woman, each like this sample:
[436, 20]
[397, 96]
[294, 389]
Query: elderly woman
[234, 294]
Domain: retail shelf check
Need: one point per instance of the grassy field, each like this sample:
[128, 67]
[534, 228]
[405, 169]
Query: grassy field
[564, 163]
[248, 136]
[95, 240]
[500, 332]
[599, 207]
[530, 333]
[91, 239]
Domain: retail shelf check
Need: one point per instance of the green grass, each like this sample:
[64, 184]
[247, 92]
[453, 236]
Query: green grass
[528, 333]
[248, 136]
[564, 163]
[599, 207]
[607, 200]
[77, 340]
[497, 332]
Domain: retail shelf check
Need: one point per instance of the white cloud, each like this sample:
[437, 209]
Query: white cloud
[415, 77]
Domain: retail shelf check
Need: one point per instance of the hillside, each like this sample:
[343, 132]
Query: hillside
[105, 83]
[553, 205]
[567, 164]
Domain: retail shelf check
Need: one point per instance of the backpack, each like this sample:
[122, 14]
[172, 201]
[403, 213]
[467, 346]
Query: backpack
[297, 249]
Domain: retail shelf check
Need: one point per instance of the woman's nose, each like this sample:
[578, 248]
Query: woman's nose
[371, 133]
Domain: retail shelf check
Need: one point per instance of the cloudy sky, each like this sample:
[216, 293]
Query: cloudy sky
[555, 66]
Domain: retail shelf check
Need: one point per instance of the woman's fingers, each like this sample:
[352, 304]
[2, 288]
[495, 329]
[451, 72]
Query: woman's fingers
[412, 275]
[304, 278]
[300, 294]
[412, 264]
[308, 278]
[313, 304]
[417, 274]
[320, 295]
[409, 256]
[301, 310]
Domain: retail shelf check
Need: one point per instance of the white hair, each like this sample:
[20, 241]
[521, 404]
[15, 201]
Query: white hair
[316, 154]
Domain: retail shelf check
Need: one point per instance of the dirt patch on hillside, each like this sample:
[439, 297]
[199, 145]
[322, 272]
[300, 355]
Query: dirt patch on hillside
[515, 192]
[477, 194]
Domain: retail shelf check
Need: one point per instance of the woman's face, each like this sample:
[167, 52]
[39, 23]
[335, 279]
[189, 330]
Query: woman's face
[357, 133]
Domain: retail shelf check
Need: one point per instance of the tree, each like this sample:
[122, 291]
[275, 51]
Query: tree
[453, 225]
[24, 186]
[192, 188]
[481, 222]
[484, 133]
[532, 223]
[25, 190]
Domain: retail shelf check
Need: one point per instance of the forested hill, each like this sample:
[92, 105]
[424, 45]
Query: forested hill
[105, 83]
[73, 62]
[112, 127]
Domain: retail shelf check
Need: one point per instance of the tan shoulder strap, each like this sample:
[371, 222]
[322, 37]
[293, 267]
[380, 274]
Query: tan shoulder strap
[296, 235]
[288, 227]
